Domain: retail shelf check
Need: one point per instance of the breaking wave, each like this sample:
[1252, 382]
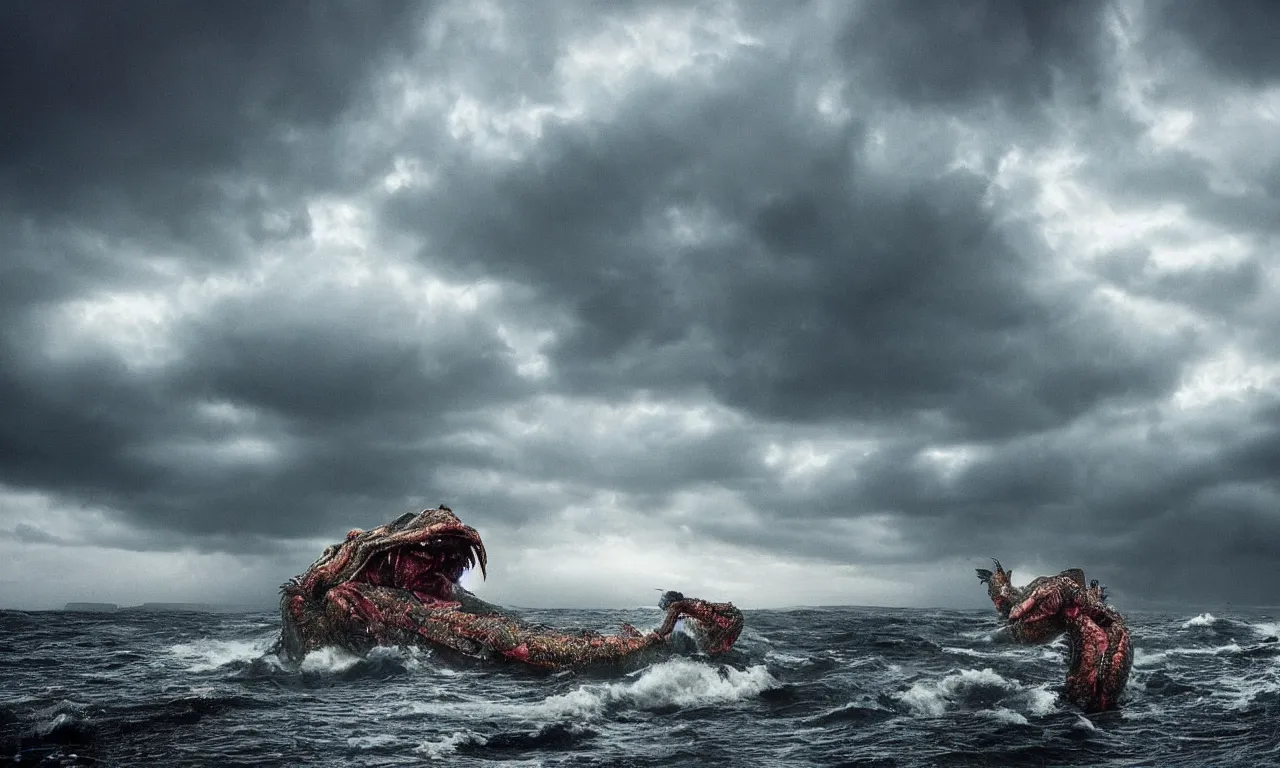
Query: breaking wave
[982, 689]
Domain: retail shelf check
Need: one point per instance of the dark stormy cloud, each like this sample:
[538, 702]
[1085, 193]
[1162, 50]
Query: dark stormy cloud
[782, 303]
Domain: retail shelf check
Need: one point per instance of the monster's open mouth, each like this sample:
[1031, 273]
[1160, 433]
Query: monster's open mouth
[428, 568]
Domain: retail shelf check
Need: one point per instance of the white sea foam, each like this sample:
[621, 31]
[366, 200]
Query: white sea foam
[206, 655]
[932, 698]
[1085, 724]
[1263, 628]
[975, 654]
[1041, 700]
[1143, 659]
[63, 707]
[1136, 685]
[442, 748]
[328, 659]
[372, 742]
[49, 726]
[1002, 715]
[1239, 691]
[687, 683]
[786, 659]
[411, 657]
[982, 635]
[1218, 650]
[1019, 654]
[334, 660]
[1266, 629]
[675, 682]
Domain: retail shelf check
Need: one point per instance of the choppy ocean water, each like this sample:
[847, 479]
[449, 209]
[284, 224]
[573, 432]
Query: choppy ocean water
[806, 687]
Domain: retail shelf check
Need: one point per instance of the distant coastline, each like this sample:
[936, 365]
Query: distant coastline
[79, 607]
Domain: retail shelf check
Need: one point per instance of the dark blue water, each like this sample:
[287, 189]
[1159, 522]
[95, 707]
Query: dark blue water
[813, 687]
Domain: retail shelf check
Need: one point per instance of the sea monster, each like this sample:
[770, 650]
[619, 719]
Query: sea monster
[397, 585]
[1100, 652]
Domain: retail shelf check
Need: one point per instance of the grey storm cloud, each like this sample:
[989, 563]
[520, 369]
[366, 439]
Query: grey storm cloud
[958, 55]
[853, 292]
[890, 286]
[1233, 39]
[138, 110]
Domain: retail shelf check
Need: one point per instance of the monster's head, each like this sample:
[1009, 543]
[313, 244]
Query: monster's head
[999, 586]
[1049, 596]
[424, 554]
[669, 597]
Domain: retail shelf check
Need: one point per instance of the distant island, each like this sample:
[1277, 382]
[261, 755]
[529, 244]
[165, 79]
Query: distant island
[158, 607]
[91, 607]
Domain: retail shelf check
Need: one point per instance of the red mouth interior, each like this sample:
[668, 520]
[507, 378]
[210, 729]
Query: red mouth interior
[428, 570]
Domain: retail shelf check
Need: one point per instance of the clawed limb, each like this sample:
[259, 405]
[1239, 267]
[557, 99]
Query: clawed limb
[720, 623]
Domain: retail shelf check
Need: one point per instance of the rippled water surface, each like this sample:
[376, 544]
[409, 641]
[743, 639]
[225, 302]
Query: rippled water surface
[828, 687]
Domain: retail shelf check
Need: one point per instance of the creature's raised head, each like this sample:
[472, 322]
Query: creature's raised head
[423, 553]
[999, 585]
[669, 597]
[998, 576]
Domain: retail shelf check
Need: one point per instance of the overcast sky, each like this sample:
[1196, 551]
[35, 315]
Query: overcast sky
[775, 302]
